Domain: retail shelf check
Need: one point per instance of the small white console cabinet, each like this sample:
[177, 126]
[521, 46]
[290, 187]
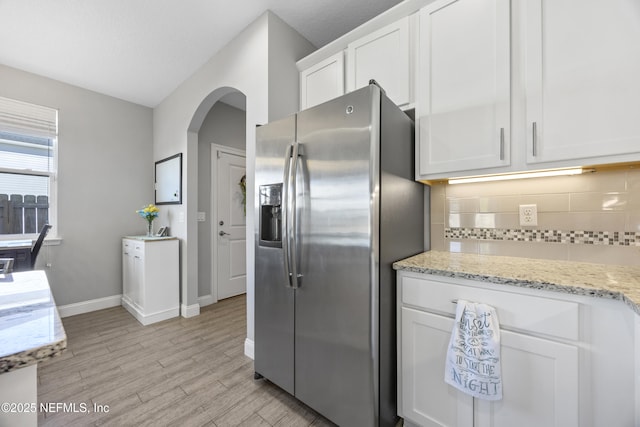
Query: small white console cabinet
[150, 278]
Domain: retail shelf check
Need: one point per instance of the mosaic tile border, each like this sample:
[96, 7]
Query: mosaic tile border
[611, 238]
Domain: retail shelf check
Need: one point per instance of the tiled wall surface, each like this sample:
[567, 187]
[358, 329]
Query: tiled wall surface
[593, 217]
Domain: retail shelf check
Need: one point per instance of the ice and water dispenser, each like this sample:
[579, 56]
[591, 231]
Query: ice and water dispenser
[271, 215]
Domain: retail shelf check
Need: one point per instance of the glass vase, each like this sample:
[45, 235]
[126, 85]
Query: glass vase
[150, 229]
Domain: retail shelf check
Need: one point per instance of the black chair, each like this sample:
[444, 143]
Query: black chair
[36, 247]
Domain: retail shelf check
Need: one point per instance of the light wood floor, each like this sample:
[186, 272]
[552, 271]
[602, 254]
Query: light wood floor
[186, 372]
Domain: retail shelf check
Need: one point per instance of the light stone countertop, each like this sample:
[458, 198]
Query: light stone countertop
[577, 278]
[30, 326]
[151, 238]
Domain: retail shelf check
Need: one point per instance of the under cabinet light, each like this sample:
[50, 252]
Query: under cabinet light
[523, 175]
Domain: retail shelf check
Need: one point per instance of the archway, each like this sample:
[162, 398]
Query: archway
[220, 121]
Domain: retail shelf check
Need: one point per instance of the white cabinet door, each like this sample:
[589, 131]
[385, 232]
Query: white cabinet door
[463, 111]
[539, 383]
[425, 399]
[384, 57]
[138, 281]
[582, 78]
[540, 379]
[127, 269]
[322, 82]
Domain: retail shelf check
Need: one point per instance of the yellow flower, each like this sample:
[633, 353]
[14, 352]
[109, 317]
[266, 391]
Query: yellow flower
[151, 209]
[149, 212]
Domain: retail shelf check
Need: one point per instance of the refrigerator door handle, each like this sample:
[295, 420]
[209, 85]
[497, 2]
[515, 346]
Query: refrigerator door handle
[289, 220]
[292, 223]
[286, 213]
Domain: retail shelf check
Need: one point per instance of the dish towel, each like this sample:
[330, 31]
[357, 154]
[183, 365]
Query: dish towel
[473, 356]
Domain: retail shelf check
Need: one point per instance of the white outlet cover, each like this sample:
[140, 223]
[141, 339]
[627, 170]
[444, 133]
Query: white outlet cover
[529, 215]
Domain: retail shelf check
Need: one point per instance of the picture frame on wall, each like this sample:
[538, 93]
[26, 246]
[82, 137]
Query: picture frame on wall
[168, 180]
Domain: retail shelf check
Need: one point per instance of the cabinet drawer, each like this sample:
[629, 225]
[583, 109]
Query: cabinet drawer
[138, 249]
[133, 247]
[525, 312]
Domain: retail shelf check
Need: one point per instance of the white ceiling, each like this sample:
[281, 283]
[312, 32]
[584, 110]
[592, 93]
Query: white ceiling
[141, 50]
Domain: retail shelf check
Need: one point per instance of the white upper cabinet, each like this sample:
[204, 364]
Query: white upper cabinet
[515, 85]
[322, 81]
[582, 79]
[463, 108]
[384, 56]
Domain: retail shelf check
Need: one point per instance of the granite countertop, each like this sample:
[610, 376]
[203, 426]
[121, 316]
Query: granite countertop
[150, 238]
[30, 327]
[578, 278]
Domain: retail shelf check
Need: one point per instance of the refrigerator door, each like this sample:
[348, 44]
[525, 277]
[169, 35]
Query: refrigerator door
[336, 330]
[274, 298]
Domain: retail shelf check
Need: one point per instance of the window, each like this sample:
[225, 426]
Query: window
[28, 136]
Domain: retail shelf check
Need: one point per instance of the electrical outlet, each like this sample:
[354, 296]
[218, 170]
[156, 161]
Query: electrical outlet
[528, 215]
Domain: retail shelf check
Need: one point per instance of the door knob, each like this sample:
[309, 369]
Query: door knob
[222, 233]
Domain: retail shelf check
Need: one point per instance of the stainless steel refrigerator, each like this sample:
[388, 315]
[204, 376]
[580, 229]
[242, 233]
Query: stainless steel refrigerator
[336, 205]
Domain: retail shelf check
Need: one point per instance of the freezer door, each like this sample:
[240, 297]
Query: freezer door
[274, 299]
[336, 302]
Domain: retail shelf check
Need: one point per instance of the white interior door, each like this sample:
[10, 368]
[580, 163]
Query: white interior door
[230, 225]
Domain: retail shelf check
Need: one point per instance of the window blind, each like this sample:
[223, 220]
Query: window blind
[27, 135]
[30, 119]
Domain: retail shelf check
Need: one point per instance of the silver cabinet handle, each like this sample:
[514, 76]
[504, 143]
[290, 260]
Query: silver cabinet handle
[501, 143]
[535, 139]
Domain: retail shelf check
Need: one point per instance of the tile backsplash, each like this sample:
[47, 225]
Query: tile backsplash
[593, 217]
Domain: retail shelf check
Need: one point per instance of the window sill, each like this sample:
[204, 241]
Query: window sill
[48, 241]
[52, 241]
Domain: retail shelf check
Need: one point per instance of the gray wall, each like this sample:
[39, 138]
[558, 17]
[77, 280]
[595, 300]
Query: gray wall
[286, 47]
[224, 125]
[105, 174]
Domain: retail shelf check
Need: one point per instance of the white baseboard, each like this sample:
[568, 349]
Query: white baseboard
[206, 300]
[249, 348]
[149, 318]
[190, 310]
[89, 306]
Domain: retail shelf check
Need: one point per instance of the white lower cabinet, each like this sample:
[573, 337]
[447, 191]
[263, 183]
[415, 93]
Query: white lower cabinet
[540, 385]
[562, 358]
[426, 399]
[540, 379]
[150, 278]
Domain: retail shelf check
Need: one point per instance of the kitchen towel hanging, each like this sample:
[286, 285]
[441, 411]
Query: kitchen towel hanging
[473, 356]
